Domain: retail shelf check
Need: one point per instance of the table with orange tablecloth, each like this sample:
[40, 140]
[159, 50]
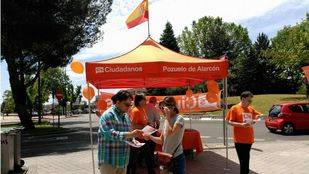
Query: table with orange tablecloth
[191, 141]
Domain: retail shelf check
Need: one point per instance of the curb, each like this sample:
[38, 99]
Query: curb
[217, 148]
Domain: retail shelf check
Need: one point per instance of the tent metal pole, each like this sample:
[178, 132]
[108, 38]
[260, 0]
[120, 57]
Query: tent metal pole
[224, 112]
[91, 140]
[225, 124]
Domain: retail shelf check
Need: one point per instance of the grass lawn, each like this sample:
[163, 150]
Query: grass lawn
[40, 129]
[263, 103]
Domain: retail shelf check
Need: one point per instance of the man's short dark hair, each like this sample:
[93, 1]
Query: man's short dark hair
[246, 94]
[121, 95]
[138, 98]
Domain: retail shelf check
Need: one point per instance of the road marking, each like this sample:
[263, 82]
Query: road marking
[221, 138]
[205, 137]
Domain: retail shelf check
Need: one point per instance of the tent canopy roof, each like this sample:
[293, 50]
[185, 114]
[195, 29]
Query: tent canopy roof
[151, 51]
[152, 65]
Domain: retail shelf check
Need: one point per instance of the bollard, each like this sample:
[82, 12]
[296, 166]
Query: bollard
[7, 152]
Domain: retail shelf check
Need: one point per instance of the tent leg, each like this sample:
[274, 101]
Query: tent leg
[91, 140]
[225, 123]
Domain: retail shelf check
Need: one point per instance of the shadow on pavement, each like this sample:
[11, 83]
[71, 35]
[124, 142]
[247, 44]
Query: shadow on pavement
[57, 144]
[211, 162]
[207, 162]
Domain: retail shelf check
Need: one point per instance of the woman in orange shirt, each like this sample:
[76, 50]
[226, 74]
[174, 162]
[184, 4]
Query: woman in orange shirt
[139, 120]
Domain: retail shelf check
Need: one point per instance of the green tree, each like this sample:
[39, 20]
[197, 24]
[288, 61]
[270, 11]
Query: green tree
[254, 71]
[73, 94]
[7, 105]
[38, 34]
[51, 80]
[56, 79]
[211, 37]
[289, 52]
[168, 38]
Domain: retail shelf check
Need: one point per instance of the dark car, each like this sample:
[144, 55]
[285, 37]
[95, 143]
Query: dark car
[77, 111]
[288, 117]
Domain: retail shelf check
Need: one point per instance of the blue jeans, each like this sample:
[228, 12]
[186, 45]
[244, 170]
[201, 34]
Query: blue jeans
[179, 164]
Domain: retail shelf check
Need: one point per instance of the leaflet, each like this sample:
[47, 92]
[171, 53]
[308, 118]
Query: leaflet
[149, 130]
[135, 143]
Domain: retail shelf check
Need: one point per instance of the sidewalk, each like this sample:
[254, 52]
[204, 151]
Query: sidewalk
[266, 157]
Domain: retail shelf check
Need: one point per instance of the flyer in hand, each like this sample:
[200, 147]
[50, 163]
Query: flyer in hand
[247, 118]
[135, 143]
[149, 130]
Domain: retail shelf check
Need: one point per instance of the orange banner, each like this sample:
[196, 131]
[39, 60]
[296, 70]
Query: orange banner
[209, 101]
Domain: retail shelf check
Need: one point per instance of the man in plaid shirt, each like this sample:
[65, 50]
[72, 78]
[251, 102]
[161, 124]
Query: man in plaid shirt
[114, 129]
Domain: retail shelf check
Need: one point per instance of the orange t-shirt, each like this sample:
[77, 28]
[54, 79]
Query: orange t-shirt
[138, 116]
[239, 114]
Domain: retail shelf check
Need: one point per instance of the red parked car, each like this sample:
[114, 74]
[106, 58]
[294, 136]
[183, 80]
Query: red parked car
[288, 117]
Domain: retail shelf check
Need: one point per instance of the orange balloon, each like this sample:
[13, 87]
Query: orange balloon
[212, 86]
[212, 97]
[88, 92]
[77, 67]
[189, 93]
[101, 104]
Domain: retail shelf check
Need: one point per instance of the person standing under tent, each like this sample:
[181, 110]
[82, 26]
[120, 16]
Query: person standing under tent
[242, 117]
[139, 120]
[153, 113]
[114, 129]
[172, 134]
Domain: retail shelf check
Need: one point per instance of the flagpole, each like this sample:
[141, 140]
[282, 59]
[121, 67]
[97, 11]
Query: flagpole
[148, 29]
[148, 18]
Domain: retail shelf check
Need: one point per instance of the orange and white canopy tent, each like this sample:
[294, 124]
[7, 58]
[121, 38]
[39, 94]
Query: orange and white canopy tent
[152, 65]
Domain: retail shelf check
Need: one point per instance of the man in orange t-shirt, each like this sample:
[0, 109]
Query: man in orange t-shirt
[242, 117]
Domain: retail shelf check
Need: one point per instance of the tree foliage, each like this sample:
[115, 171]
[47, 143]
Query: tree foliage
[38, 34]
[211, 37]
[290, 47]
[168, 38]
[288, 53]
[7, 105]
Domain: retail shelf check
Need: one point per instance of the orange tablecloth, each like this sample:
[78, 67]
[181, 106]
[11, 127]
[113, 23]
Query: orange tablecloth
[191, 140]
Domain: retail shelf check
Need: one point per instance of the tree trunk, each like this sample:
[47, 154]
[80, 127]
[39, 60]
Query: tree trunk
[40, 94]
[18, 88]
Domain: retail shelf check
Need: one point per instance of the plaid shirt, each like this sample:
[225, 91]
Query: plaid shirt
[113, 126]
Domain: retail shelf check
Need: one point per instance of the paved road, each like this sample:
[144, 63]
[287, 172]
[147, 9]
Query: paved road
[211, 133]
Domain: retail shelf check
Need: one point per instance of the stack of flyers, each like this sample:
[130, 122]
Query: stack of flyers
[135, 143]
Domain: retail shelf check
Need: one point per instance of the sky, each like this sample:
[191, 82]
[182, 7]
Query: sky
[257, 16]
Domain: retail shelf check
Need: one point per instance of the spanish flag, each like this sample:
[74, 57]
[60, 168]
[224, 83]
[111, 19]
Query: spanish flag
[139, 15]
